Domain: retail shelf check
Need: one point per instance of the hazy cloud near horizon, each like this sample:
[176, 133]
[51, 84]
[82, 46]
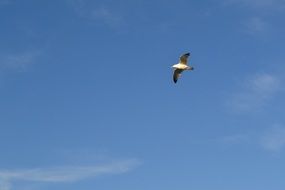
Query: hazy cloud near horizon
[65, 173]
[255, 92]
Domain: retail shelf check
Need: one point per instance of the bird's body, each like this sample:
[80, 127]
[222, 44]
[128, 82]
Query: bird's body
[181, 66]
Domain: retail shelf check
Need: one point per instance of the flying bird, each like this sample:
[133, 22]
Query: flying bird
[181, 66]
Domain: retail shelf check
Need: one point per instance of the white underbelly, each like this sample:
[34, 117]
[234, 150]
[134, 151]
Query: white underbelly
[180, 66]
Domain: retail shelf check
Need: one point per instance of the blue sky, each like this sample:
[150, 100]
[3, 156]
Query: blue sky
[87, 97]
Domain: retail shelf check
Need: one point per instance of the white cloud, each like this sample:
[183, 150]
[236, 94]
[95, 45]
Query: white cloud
[235, 139]
[19, 61]
[5, 2]
[106, 16]
[255, 25]
[273, 139]
[255, 93]
[99, 14]
[64, 174]
[4, 185]
[258, 4]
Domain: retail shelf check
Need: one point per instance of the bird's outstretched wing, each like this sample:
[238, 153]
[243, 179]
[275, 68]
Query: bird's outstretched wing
[176, 74]
[183, 58]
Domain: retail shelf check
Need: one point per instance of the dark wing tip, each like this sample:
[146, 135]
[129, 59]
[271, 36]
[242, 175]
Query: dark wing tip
[187, 54]
[176, 74]
[175, 78]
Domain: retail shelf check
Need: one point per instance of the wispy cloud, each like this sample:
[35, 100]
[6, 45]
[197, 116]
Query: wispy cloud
[5, 2]
[261, 14]
[105, 15]
[273, 139]
[99, 14]
[270, 139]
[258, 4]
[4, 185]
[255, 92]
[64, 174]
[18, 61]
[255, 25]
[235, 139]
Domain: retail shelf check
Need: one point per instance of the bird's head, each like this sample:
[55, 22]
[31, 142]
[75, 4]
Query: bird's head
[190, 68]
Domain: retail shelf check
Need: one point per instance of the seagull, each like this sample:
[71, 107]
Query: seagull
[181, 66]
